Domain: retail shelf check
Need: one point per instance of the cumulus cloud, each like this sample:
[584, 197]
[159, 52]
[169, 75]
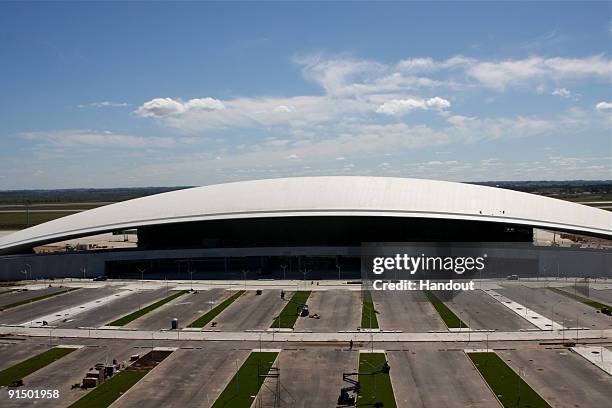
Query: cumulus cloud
[604, 106]
[402, 106]
[162, 107]
[562, 92]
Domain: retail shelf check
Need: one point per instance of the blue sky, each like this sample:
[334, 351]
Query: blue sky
[141, 94]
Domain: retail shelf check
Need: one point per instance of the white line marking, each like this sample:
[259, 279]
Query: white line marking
[73, 311]
[539, 321]
[600, 356]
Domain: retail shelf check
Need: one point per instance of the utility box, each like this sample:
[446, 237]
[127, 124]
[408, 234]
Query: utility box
[174, 324]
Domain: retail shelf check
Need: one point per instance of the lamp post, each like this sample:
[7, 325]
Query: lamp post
[191, 274]
[284, 268]
[244, 275]
[552, 314]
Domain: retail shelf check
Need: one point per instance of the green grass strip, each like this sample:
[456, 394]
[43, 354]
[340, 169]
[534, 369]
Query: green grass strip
[368, 312]
[451, 320]
[122, 321]
[511, 390]
[27, 367]
[374, 388]
[214, 312]
[287, 317]
[35, 299]
[581, 299]
[106, 393]
[244, 386]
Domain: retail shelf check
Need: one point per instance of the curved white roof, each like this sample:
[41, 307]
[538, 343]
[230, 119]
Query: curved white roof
[323, 196]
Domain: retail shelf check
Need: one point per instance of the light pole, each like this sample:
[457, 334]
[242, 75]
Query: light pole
[338, 266]
[552, 314]
[284, 268]
[191, 274]
[244, 275]
[142, 271]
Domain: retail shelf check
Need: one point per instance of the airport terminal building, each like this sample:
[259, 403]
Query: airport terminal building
[305, 227]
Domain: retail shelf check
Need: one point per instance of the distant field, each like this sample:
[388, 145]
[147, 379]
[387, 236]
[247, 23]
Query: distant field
[19, 220]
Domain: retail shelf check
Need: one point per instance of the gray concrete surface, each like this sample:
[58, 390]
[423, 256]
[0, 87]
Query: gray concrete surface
[566, 311]
[408, 311]
[603, 296]
[561, 377]
[428, 378]
[53, 304]
[186, 308]
[103, 315]
[13, 352]
[187, 378]
[339, 310]
[309, 377]
[12, 297]
[252, 312]
[480, 311]
[68, 370]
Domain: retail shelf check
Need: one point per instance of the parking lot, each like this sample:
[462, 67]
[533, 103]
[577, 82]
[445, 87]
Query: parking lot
[30, 312]
[185, 308]
[428, 377]
[480, 311]
[310, 377]
[563, 310]
[110, 311]
[408, 311]
[187, 378]
[422, 374]
[252, 311]
[339, 310]
[563, 378]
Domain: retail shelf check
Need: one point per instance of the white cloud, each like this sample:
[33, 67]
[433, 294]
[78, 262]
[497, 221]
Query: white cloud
[207, 104]
[283, 109]
[604, 106]
[417, 65]
[350, 76]
[159, 107]
[162, 107]
[499, 74]
[562, 92]
[103, 104]
[90, 138]
[402, 106]
[458, 120]
[438, 103]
